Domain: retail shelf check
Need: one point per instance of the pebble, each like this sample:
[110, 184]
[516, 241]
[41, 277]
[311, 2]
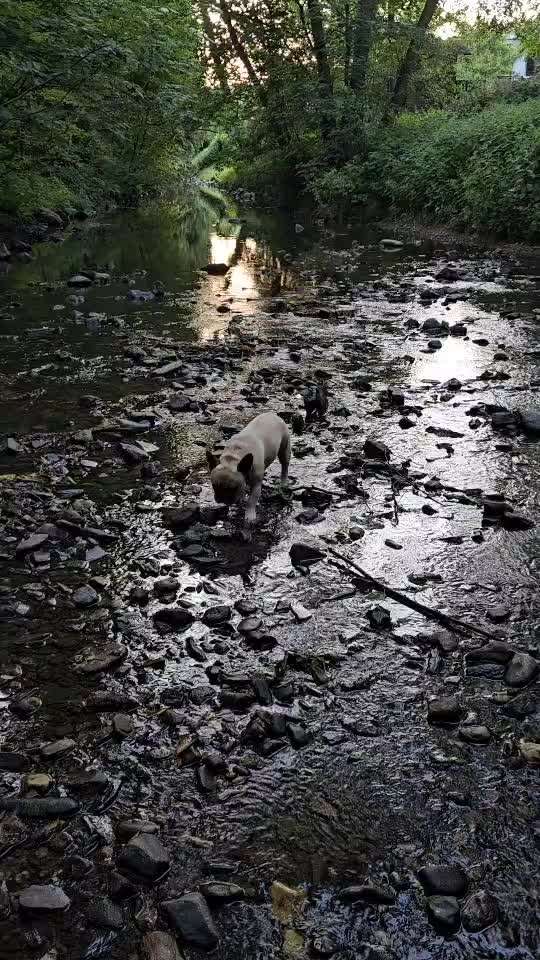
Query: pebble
[444, 879]
[131, 828]
[43, 899]
[191, 918]
[176, 617]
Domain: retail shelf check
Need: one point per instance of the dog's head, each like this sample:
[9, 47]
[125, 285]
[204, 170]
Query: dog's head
[229, 484]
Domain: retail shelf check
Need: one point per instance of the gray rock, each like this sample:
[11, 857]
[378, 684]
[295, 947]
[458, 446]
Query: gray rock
[444, 879]
[475, 734]
[145, 855]
[521, 670]
[79, 280]
[191, 918]
[444, 710]
[216, 615]
[43, 899]
[160, 946]
[85, 597]
[481, 910]
[444, 912]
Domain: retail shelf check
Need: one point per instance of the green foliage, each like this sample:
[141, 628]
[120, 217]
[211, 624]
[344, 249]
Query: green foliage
[97, 99]
[479, 172]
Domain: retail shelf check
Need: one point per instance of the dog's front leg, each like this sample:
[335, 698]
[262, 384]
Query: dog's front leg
[253, 499]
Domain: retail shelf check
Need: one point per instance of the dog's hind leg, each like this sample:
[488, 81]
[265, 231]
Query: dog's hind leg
[284, 457]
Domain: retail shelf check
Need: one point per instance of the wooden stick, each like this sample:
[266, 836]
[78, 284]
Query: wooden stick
[452, 623]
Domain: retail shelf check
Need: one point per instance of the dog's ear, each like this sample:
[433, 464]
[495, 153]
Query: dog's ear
[212, 458]
[246, 464]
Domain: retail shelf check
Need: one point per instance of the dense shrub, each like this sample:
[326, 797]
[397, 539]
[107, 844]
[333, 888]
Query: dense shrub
[97, 99]
[479, 172]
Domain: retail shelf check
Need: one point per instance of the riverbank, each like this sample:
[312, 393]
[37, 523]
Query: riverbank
[266, 731]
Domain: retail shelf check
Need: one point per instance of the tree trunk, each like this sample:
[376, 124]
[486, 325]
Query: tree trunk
[362, 41]
[237, 44]
[210, 33]
[320, 47]
[410, 60]
[347, 43]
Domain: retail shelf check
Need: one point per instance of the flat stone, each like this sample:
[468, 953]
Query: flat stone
[191, 918]
[475, 734]
[369, 893]
[521, 670]
[110, 655]
[301, 613]
[79, 280]
[131, 828]
[57, 749]
[444, 879]
[444, 710]
[43, 899]
[38, 781]
[160, 946]
[221, 891]
[31, 543]
[145, 855]
[444, 912]
[41, 808]
[481, 910]
[496, 651]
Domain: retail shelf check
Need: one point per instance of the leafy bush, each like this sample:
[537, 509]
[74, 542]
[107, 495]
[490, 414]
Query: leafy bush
[479, 172]
[97, 99]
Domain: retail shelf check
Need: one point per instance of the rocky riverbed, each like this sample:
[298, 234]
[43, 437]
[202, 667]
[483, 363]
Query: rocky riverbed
[239, 742]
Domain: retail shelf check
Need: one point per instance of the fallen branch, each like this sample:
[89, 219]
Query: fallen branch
[451, 623]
